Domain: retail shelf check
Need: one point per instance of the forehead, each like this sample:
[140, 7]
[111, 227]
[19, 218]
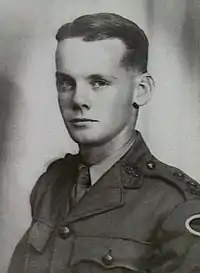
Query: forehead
[76, 56]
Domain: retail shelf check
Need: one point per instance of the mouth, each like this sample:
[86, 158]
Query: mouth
[82, 121]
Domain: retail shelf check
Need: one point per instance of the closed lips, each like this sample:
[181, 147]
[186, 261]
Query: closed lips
[83, 120]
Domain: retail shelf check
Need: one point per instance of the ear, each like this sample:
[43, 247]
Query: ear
[144, 87]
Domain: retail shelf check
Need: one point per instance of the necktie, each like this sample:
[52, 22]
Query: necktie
[82, 185]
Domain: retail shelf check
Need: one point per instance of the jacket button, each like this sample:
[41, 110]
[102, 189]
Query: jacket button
[179, 175]
[64, 232]
[193, 187]
[193, 184]
[151, 165]
[130, 170]
[107, 259]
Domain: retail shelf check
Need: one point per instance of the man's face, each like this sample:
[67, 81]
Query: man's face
[95, 92]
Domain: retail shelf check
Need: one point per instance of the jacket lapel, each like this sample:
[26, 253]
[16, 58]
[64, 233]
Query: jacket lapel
[133, 164]
[105, 195]
[62, 188]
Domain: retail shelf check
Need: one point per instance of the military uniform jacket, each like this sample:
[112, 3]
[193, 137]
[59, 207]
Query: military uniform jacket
[139, 217]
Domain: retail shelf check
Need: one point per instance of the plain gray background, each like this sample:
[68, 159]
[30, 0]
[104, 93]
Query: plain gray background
[32, 133]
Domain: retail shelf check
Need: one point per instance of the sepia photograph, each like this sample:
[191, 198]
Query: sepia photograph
[100, 136]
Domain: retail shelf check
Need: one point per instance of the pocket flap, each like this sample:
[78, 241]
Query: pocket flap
[112, 253]
[39, 234]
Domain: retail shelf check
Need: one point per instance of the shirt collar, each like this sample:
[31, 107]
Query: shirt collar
[96, 171]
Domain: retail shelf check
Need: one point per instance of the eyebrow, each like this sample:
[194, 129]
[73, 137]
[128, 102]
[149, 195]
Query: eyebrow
[101, 77]
[94, 77]
[62, 76]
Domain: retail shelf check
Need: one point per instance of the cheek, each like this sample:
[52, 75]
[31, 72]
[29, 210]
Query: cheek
[64, 101]
[119, 100]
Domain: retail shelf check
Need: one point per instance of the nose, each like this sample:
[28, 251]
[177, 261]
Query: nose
[82, 96]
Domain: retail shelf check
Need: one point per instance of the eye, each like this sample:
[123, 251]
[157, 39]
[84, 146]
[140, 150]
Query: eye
[65, 82]
[65, 86]
[96, 84]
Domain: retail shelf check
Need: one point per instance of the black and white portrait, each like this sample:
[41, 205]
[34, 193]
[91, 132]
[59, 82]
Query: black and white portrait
[99, 115]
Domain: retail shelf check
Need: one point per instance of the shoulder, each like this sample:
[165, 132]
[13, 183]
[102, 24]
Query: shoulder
[183, 194]
[173, 178]
[178, 231]
[46, 180]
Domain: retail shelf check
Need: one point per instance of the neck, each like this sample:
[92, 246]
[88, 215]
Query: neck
[92, 155]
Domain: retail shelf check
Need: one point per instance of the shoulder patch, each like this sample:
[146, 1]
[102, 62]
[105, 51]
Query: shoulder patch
[193, 227]
[177, 178]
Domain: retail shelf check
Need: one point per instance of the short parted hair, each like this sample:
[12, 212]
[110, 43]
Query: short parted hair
[101, 26]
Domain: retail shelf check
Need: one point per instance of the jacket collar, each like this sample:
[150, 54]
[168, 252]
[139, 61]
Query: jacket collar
[133, 164]
[107, 193]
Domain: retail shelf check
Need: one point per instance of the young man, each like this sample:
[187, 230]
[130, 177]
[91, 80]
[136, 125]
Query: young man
[113, 207]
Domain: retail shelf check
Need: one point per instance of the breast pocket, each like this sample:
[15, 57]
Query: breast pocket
[39, 235]
[97, 255]
[39, 250]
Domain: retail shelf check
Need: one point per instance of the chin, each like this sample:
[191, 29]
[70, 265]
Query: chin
[88, 139]
[85, 140]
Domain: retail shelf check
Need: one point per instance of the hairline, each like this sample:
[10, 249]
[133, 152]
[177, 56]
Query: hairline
[123, 59]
